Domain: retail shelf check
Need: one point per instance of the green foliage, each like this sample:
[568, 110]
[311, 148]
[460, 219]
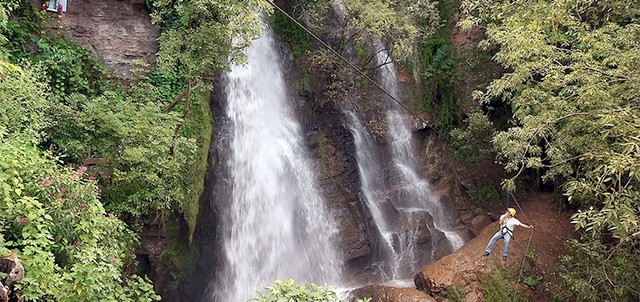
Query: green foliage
[573, 82]
[362, 52]
[498, 286]
[304, 85]
[574, 104]
[136, 136]
[147, 160]
[454, 293]
[70, 248]
[167, 83]
[296, 37]
[612, 272]
[473, 142]
[152, 161]
[529, 274]
[68, 67]
[289, 291]
[311, 13]
[6, 7]
[26, 25]
[532, 282]
[177, 254]
[198, 125]
[25, 100]
[437, 72]
[204, 36]
[394, 23]
[484, 193]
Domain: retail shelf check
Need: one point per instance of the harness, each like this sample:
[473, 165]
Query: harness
[505, 229]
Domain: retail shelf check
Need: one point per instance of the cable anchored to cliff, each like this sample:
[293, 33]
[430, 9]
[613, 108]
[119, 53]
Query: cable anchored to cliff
[352, 66]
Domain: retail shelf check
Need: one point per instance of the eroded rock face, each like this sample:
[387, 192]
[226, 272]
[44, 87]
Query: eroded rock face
[4, 293]
[478, 223]
[117, 31]
[332, 143]
[381, 293]
[11, 266]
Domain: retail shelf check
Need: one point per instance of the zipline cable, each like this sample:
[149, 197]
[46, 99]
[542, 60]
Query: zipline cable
[352, 66]
[530, 235]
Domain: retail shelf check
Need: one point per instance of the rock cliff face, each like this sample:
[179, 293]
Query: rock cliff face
[117, 31]
[332, 143]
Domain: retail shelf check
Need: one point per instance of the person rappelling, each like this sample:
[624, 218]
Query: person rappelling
[508, 222]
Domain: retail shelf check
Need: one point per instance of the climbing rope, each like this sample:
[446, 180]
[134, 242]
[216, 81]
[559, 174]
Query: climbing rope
[353, 67]
[507, 200]
[524, 258]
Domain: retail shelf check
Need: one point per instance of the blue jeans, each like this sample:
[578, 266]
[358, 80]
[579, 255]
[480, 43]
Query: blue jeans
[500, 234]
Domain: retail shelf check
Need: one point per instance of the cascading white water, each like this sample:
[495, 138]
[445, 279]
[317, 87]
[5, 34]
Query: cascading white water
[417, 189]
[402, 204]
[276, 225]
[399, 259]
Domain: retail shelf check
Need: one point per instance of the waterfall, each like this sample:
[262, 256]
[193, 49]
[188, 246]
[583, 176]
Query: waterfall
[417, 190]
[407, 216]
[398, 259]
[275, 224]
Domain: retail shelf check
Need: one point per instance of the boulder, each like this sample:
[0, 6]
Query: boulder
[11, 266]
[382, 293]
[4, 293]
[478, 223]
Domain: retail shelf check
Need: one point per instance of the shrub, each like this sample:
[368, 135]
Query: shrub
[71, 249]
[289, 291]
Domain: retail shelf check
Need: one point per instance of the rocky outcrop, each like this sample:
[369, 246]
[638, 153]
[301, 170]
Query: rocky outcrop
[11, 266]
[479, 223]
[381, 293]
[119, 32]
[466, 267]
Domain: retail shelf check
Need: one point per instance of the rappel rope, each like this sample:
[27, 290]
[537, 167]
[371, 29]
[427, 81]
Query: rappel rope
[353, 66]
[524, 258]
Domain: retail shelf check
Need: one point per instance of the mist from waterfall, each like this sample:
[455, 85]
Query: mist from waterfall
[275, 224]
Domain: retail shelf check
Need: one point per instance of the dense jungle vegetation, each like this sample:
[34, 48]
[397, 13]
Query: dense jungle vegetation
[567, 104]
[75, 228]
